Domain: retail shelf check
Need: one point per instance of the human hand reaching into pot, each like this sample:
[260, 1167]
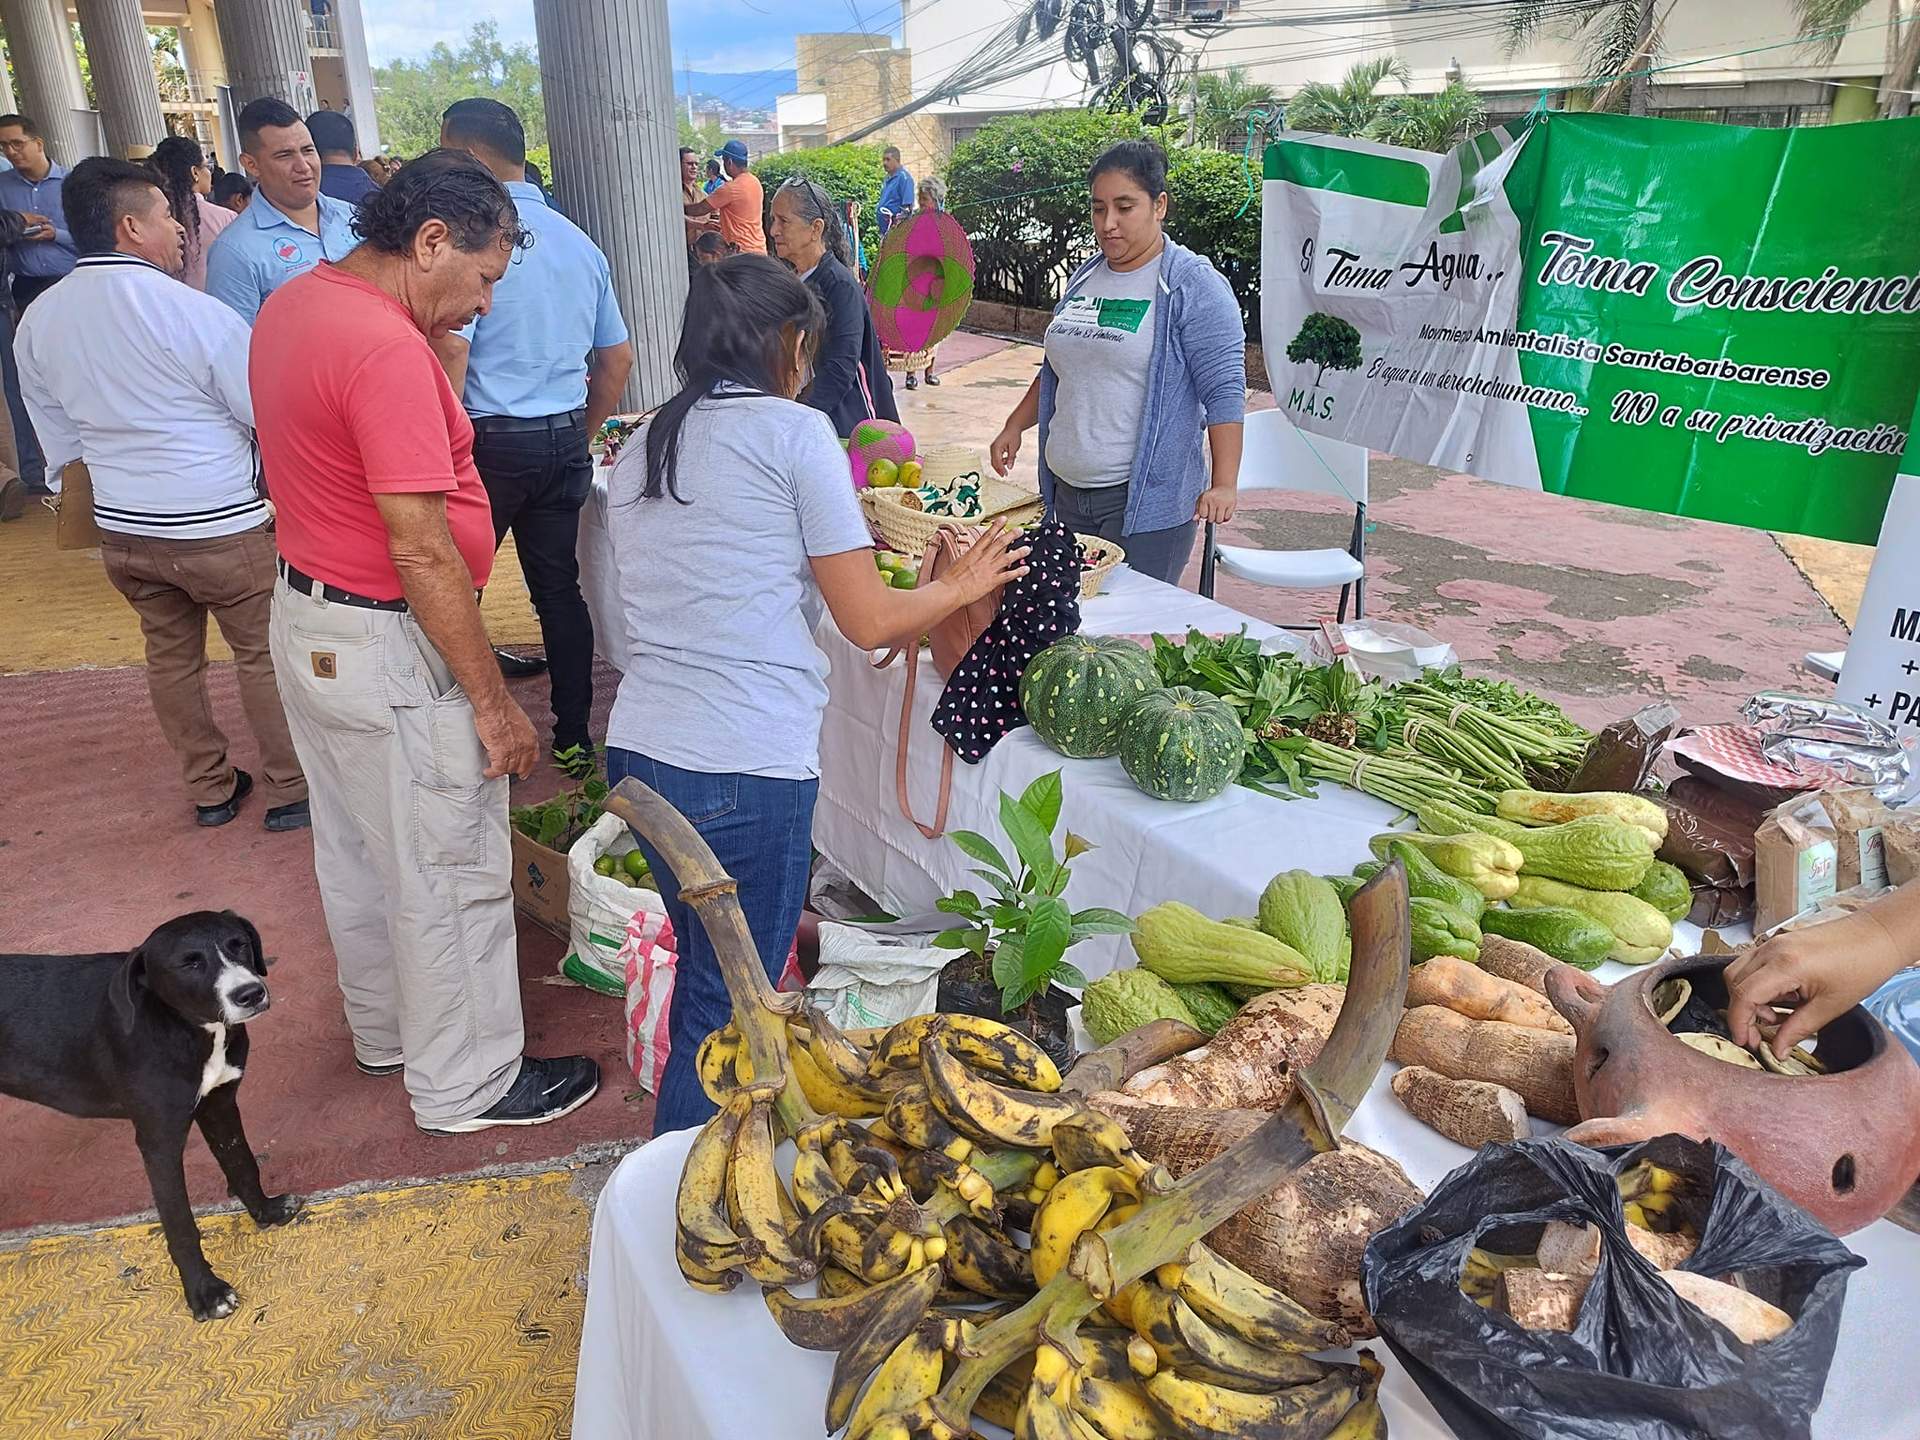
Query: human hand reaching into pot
[1821, 972]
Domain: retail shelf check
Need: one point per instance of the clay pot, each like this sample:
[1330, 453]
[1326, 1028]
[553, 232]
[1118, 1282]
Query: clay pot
[1845, 1145]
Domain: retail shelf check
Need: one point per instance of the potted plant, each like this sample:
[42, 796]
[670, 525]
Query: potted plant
[1017, 937]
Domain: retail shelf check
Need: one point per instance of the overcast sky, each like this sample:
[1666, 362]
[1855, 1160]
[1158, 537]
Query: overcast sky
[726, 35]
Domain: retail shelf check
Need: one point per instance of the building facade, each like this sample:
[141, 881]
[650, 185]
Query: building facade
[845, 82]
[311, 53]
[1748, 71]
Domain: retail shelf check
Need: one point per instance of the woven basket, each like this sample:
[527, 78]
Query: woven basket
[1095, 575]
[943, 464]
[908, 530]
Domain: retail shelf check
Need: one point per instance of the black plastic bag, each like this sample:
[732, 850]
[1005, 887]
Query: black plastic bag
[1641, 1363]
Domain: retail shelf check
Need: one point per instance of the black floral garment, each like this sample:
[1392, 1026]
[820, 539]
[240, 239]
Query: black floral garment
[982, 699]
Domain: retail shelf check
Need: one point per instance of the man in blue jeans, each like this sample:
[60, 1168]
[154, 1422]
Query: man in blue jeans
[539, 374]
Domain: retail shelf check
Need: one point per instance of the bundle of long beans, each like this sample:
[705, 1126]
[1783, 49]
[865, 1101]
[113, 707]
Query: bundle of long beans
[1408, 783]
[1496, 748]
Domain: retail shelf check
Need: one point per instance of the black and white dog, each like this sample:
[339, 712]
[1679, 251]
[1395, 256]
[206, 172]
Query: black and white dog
[156, 1036]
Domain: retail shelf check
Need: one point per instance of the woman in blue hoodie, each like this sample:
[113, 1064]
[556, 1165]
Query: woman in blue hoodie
[1146, 357]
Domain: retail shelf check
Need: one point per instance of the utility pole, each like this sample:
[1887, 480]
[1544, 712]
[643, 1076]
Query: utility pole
[686, 64]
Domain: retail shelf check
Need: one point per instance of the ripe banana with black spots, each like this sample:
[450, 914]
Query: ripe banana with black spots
[987, 1262]
[714, 1282]
[824, 1092]
[929, 1173]
[1092, 1138]
[913, 1117]
[903, 1307]
[1365, 1421]
[909, 1375]
[999, 1404]
[705, 1234]
[1078, 1203]
[987, 1113]
[835, 1282]
[1047, 1412]
[1202, 1411]
[1185, 1342]
[833, 1322]
[723, 1064]
[1116, 1409]
[1227, 1297]
[987, 1045]
[758, 1197]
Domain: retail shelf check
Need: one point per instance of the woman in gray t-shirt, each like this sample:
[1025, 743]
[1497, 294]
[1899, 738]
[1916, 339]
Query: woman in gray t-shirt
[1145, 354]
[733, 517]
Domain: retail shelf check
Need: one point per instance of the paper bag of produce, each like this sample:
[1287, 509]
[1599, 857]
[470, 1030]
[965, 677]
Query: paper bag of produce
[1860, 824]
[1796, 861]
[1639, 1362]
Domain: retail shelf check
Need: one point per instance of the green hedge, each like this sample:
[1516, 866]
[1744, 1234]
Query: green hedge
[1020, 188]
[845, 172]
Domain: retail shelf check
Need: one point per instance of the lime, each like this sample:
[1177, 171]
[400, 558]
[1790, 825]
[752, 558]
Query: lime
[905, 579]
[882, 473]
[636, 863]
[604, 865]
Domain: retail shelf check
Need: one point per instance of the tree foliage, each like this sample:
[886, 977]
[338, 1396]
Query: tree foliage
[845, 172]
[1824, 23]
[1222, 102]
[1610, 34]
[1430, 122]
[1327, 341]
[410, 96]
[1347, 106]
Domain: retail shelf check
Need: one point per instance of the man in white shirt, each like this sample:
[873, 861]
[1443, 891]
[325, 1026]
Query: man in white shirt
[145, 379]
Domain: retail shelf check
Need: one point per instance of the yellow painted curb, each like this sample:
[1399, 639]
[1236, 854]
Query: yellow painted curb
[431, 1311]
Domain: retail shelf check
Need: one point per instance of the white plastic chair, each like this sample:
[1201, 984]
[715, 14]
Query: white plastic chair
[1278, 455]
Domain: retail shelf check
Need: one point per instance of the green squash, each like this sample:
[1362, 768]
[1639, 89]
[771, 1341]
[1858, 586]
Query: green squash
[1667, 889]
[1210, 1005]
[1307, 913]
[1181, 744]
[1075, 691]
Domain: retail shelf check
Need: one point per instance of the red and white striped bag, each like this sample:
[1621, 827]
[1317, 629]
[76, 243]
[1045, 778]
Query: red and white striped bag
[648, 958]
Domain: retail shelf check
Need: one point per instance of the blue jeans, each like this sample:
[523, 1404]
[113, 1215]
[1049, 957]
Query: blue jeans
[26, 445]
[761, 831]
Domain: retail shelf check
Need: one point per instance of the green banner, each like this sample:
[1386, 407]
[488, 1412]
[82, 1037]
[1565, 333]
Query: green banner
[1708, 320]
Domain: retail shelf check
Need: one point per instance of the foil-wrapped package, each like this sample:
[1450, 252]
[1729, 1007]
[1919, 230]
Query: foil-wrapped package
[1851, 746]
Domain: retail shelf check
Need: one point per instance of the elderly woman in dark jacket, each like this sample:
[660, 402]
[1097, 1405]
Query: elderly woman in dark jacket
[850, 381]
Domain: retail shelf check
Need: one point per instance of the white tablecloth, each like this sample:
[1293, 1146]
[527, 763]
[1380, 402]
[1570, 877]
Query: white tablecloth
[660, 1361]
[1215, 856]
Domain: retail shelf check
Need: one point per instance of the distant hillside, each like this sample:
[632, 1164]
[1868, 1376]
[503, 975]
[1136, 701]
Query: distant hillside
[756, 91]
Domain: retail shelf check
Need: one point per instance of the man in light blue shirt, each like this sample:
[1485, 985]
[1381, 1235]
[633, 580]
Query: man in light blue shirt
[896, 196]
[540, 372]
[289, 227]
[33, 187]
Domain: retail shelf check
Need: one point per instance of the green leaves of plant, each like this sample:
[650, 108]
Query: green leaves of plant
[1030, 839]
[1042, 800]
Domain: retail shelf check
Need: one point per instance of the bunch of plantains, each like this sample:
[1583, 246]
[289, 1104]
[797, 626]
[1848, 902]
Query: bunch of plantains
[984, 1242]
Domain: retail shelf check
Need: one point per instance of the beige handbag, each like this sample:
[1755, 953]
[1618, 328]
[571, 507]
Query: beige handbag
[73, 526]
[951, 639]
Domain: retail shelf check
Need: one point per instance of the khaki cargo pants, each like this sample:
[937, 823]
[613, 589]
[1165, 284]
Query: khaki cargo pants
[410, 845]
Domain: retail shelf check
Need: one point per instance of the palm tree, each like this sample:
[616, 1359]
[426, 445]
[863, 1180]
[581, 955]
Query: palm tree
[1824, 23]
[1222, 102]
[1349, 107]
[1430, 122]
[1623, 40]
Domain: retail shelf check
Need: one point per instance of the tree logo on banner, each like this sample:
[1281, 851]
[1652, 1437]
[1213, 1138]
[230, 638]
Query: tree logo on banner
[1327, 341]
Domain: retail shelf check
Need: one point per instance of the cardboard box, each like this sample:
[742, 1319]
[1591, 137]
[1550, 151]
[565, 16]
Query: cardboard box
[540, 885]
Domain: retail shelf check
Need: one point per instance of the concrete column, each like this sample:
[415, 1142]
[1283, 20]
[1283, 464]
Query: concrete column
[265, 42]
[44, 60]
[123, 80]
[606, 73]
[359, 69]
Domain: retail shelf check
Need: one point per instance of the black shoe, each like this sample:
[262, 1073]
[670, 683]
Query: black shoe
[932, 379]
[294, 816]
[912, 384]
[518, 667]
[575, 759]
[378, 1072]
[221, 814]
[13, 499]
[543, 1090]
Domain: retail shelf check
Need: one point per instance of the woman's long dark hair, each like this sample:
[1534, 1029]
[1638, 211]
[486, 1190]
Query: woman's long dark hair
[743, 316]
[173, 162]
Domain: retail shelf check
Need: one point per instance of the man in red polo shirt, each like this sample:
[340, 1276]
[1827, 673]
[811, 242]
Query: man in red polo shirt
[398, 713]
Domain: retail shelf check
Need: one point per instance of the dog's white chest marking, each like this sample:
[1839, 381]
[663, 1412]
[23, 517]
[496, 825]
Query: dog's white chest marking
[217, 1071]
